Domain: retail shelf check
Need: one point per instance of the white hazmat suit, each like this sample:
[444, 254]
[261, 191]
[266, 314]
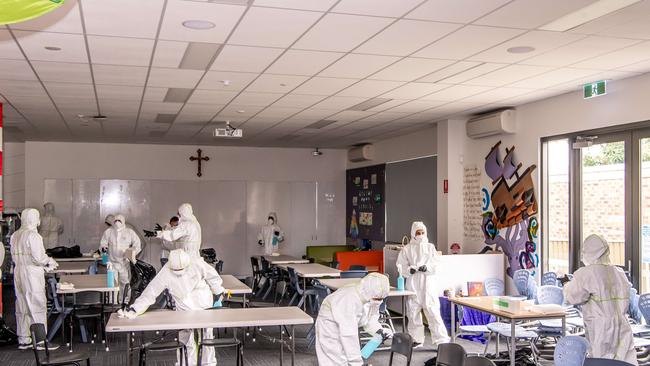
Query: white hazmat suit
[417, 263]
[604, 293]
[117, 239]
[51, 226]
[191, 282]
[341, 315]
[31, 262]
[187, 234]
[267, 235]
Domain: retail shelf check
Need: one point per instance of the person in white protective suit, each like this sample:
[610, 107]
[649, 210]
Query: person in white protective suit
[28, 254]
[109, 222]
[191, 282]
[51, 226]
[117, 240]
[271, 234]
[417, 263]
[604, 293]
[168, 246]
[341, 315]
[187, 235]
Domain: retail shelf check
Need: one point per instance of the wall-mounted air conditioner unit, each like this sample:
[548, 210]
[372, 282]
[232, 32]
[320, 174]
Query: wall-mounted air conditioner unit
[490, 124]
[361, 153]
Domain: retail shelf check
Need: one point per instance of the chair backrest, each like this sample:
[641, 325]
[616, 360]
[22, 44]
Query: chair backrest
[633, 309]
[549, 278]
[478, 361]
[51, 288]
[353, 274]
[494, 287]
[402, 344]
[521, 278]
[570, 351]
[357, 267]
[450, 354]
[219, 266]
[550, 294]
[604, 362]
[255, 266]
[265, 264]
[293, 280]
[321, 293]
[39, 335]
[644, 307]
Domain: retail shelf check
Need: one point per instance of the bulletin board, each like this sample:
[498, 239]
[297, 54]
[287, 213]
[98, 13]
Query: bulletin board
[366, 203]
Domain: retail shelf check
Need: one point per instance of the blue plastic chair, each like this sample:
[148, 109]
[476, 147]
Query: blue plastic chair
[522, 280]
[550, 295]
[549, 279]
[633, 308]
[644, 307]
[570, 351]
[494, 287]
[353, 274]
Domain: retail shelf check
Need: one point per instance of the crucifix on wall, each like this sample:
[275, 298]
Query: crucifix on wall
[199, 159]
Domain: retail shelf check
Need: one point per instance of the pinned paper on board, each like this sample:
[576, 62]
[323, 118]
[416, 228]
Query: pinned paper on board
[355, 201]
[365, 219]
[365, 184]
[373, 179]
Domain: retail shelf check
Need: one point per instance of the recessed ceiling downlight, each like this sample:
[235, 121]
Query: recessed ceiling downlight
[198, 24]
[521, 49]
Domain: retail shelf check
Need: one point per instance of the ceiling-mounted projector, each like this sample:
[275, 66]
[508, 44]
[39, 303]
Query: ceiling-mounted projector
[228, 131]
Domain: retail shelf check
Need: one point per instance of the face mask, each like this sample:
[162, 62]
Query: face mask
[118, 225]
[270, 221]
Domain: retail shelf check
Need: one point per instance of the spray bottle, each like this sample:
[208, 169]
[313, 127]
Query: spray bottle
[400, 279]
[371, 346]
[104, 256]
[110, 275]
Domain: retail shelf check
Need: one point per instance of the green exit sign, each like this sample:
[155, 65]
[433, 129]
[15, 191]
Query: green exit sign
[594, 89]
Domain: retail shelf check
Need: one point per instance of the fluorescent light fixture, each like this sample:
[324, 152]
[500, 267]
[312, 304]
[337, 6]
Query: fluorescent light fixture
[177, 95]
[198, 24]
[588, 13]
[198, 55]
[165, 118]
[370, 103]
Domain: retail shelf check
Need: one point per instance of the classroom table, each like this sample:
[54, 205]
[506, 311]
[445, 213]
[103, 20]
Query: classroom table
[72, 267]
[484, 304]
[284, 259]
[213, 318]
[336, 283]
[311, 270]
[77, 259]
[236, 287]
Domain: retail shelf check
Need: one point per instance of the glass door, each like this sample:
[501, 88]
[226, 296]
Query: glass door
[642, 215]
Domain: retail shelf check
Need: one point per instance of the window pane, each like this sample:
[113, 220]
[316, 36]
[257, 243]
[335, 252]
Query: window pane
[603, 196]
[557, 201]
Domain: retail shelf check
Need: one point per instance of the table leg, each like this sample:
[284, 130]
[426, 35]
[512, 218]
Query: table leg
[403, 314]
[512, 342]
[129, 345]
[293, 345]
[281, 346]
[244, 301]
[304, 287]
[453, 322]
[74, 301]
[63, 324]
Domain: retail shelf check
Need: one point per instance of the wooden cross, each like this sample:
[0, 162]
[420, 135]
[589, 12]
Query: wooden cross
[199, 158]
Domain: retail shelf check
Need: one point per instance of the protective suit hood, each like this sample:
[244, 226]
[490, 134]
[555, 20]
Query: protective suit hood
[274, 216]
[121, 219]
[595, 250]
[186, 212]
[418, 225]
[373, 286]
[49, 208]
[30, 219]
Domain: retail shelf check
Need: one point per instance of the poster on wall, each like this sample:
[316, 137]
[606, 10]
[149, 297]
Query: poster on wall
[365, 203]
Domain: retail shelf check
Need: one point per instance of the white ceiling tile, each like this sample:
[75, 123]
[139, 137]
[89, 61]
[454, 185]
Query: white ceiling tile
[174, 78]
[455, 107]
[623, 57]
[169, 53]
[298, 100]
[120, 51]
[192, 120]
[256, 99]
[497, 94]
[299, 62]
[339, 103]
[119, 92]
[223, 16]
[64, 19]
[534, 96]
[8, 48]
[457, 11]
[629, 22]
[73, 48]
[341, 32]
[541, 41]
[155, 94]
[358, 66]
[277, 113]
[369, 88]
[467, 41]
[472, 73]
[160, 107]
[192, 108]
[272, 27]
[70, 90]
[14, 88]
[120, 75]
[416, 106]
[456, 92]
[414, 90]
[245, 58]
[308, 116]
[214, 80]
[530, 14]
[239, 112]
[211, 96]
[136, 18]
[551, 78]
[272, 83]
[643, 66]
[508, 75]
[449, 71]
[382, 8]
[63, 72]
[410, 68]
[405, 37]
[583, 49]
[316, 5]
[323, 86]
[16, 70]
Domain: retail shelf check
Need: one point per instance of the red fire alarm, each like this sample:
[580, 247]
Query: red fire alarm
[445, 186]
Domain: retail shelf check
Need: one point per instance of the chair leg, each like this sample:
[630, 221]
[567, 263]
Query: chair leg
[390, 360]
[186, 356]
[487, 344]
[200, 355]
[293, 298]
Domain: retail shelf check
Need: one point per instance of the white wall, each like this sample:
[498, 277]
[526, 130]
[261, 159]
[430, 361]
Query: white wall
[13, 176]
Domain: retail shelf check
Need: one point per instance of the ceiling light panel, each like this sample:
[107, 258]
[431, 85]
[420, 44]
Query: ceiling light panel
[174, 78]
[198, 56]
[467, 41]
[388, 105]
[271, 83]
[65, 19]
[369, 104]
[299, 62]
[120, 75]
[541, 41]
[586, 14]
[120, 51]
[236, 81]
[405, 37]
[272, 27]
[16, 70]
[341, 32]
[245, 58]
[177, 95]
[136, 18]
[324, 86]
[165, 118]
[410, 68]
[380, 8]
[583, 49]
[73, 47]
[457, 11]
[223, 16]
[369, 88]
[358, 66]
[530, 14]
